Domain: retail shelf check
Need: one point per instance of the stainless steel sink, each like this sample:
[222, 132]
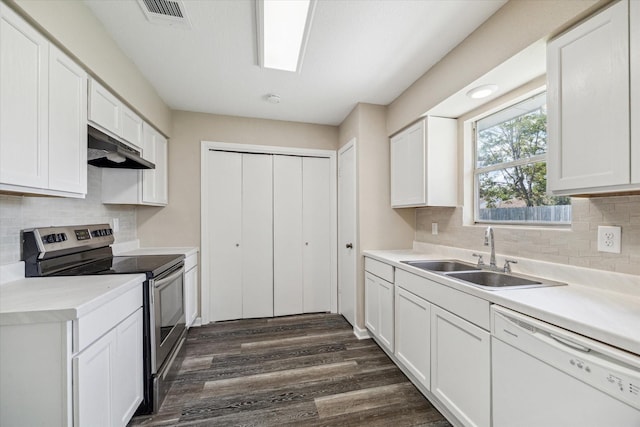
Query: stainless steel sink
[442, 266]
[494, 280]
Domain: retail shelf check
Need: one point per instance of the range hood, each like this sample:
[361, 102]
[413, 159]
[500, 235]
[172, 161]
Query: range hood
[108, 152]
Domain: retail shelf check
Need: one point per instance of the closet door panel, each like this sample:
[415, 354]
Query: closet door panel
[225, 228]
[287, 226]
[316, 220]
[257, 236]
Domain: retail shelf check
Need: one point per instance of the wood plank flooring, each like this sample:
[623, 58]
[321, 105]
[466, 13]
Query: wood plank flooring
[307, 370]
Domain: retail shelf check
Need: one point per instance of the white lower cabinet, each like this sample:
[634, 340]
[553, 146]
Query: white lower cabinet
[413, 335]
[378, 314]
[82, 372]
[107, 386]
[191, 289]
[460, 367]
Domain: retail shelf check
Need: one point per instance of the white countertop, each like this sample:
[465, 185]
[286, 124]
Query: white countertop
[133, 248]
[57, 299]
[612, 317]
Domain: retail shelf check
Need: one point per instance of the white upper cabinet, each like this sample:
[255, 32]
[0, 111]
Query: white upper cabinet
[590, 146]
[105, 110]
[131, 128]
[43, 104]
[67, 124]
[140, 187]
[424, 164]
[109, 114]
[155, 181]
[634, 49]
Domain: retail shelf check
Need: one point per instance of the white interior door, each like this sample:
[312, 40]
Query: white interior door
[287, 230]
[316, 226]
[224, 223]
[347, 250]
[257, 236]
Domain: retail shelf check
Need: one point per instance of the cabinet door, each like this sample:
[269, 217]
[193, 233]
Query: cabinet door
[287, 235]
[371, 303]
[131, 128]
[588, 103]
[191, 295]
[92, 373]
[225, 226]
[634, 49]
[407, 167]
[257, 235]
[461, 367]
[104, 108]
[386, 313]
[413, 335]
[67, 124]
[162, 170]
[127, 369]
[155, 181]
[24, 83]
[316, 234]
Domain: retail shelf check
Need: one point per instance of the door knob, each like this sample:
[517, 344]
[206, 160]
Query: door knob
[349, 245]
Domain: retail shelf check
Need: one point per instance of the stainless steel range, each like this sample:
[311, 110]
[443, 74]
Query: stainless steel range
[85, 250]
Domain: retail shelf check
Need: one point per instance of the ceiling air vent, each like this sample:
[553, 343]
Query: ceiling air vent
[165, 12]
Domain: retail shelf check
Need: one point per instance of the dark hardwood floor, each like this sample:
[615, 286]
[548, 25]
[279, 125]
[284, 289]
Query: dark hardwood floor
[307, 370]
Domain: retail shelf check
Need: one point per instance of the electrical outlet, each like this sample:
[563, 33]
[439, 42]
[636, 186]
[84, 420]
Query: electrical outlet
[115, 225]
[609, 239]
[434, 228]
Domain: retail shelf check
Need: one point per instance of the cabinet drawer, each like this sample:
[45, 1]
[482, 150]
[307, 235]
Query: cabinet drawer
[89, 328]
[380, 269]
[473, 309]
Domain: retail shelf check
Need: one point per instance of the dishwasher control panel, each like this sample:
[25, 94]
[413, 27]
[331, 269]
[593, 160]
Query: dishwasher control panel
[608, 369]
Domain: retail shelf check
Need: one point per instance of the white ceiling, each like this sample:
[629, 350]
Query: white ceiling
[358, 51]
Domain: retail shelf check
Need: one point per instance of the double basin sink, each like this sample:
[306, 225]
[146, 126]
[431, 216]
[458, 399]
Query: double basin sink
[470, 274]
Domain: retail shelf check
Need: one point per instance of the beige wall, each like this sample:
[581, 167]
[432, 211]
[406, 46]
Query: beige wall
[178, 224]
[379, 226]
[574, 246]
[518, 24]
[73, 26]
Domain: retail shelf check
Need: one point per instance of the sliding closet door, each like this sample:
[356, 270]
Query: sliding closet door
[225, 228]
[287, 228]
[316, 220]
[257, 236]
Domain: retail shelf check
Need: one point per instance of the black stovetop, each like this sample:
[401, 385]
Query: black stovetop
[151, 265]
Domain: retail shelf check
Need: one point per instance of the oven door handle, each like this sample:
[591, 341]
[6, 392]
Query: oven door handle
[166, 280]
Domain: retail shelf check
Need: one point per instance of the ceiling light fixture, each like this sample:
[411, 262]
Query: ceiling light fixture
[272, 98]
[283, 30]
[482, 91]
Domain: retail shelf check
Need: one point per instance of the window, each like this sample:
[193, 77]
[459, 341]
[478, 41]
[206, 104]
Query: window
[510, 167]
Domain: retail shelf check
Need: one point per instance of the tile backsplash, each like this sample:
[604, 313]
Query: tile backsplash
[17, 213]
[575, 246]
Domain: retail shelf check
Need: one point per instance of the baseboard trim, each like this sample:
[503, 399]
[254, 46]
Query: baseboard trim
[360, 333]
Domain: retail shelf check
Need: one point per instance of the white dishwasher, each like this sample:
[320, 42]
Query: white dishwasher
[546, 376]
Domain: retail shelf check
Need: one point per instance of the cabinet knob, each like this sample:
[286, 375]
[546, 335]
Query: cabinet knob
[237, 245]
[349, 245]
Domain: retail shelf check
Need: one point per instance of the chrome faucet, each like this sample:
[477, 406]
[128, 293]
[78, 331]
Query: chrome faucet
[489, 241]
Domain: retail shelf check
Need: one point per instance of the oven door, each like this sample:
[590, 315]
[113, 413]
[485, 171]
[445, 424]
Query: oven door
[167, 315]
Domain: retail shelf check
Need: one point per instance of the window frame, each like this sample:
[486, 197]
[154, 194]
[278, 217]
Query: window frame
[476, 171]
